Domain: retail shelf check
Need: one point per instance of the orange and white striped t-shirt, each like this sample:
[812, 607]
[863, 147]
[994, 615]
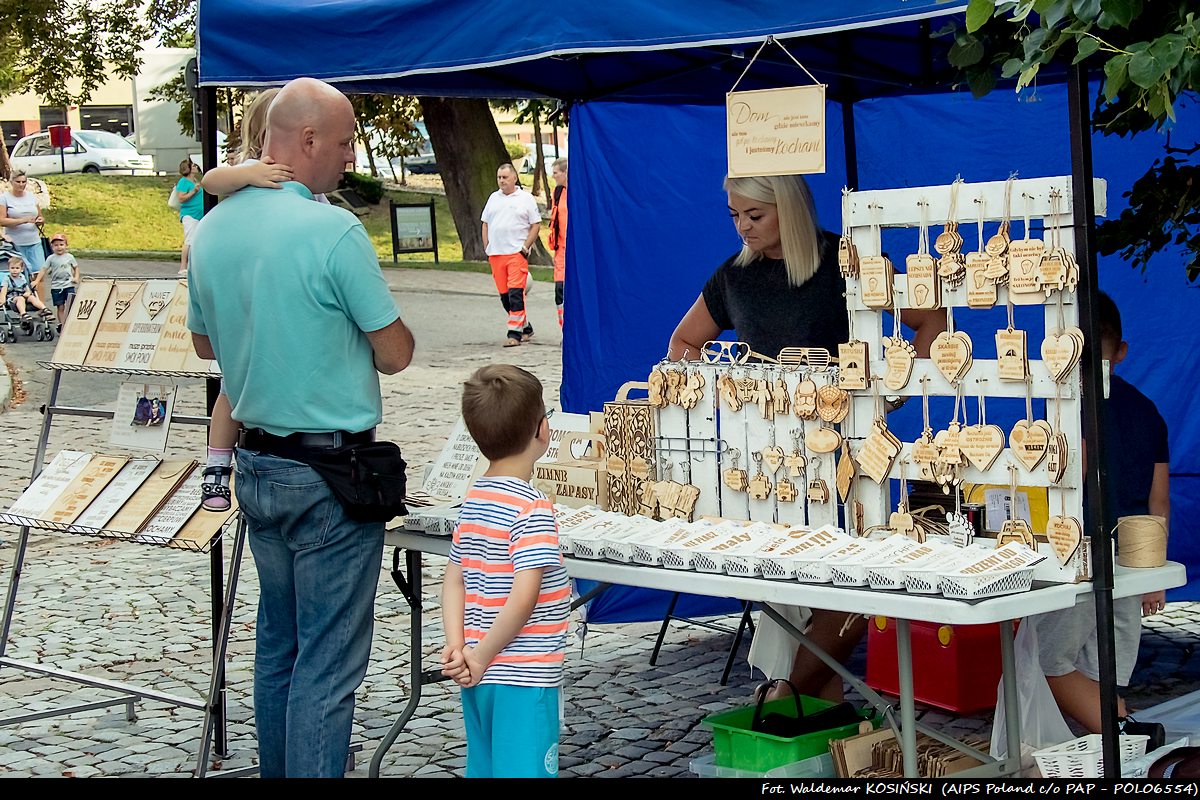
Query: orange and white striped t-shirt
[506, 526]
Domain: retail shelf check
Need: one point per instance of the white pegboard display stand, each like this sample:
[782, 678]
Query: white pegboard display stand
[892, 208]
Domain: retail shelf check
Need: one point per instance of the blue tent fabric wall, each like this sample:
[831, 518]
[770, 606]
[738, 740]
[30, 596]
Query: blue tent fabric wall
[651, 225]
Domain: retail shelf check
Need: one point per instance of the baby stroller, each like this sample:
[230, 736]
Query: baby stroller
[34, 324]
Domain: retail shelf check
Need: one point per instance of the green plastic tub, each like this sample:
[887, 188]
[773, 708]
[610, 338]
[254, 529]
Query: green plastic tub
[738, 747]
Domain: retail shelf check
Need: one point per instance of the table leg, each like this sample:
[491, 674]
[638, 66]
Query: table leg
[908, 709]
[1012, 710]
[417, 678]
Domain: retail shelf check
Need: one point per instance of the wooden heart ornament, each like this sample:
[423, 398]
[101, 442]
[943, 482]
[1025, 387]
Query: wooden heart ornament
[982, 445]
[1061, 352]
[951, 353]
[1028, 443]
[1065, 534]
[772, 458]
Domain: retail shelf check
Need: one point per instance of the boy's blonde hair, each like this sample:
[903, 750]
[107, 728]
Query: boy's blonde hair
[503, 409]
[254, 124]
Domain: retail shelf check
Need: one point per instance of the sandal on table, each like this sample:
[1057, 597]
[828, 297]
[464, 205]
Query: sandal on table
[215, 494]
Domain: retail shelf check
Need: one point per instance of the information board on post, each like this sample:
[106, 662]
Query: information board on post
[414, 229]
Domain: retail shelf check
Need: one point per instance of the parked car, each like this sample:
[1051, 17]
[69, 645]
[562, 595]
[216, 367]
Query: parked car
[92, 152]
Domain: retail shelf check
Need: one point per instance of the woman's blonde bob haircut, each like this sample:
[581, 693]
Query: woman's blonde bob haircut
[799, 235]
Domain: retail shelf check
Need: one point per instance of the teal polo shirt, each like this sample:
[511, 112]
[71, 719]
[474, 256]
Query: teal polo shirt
[284, 288]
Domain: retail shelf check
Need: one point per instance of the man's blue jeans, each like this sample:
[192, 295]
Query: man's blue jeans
[318, 572]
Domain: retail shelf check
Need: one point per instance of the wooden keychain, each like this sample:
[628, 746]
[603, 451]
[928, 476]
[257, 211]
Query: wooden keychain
[901, 521]
[818, 491]
[796, 462]
[736, 479]
[761, 397]
[833, 403]
[1057, 452]
[1064, 533]
[1052, 270]
[688, 494]
[997, 245]
[981, 290]
[952, 351]
[876, 272]
[847, 252]
[921, 270]
[657, 383]
[1014, 529]
[666, 491]
[1012, 354]
[804, 399]
[1029, 438]
[773, 455]
[948, 467]
[846, 470]
[675, 379]
[691, 391]
[728, 390]
[958, 527]
[880, 448]
[1062, 350]
[899, 355]
[924, 451]
[760, 485]
[781, 397]
[1024, 258]
[982, 443]
[951, 265]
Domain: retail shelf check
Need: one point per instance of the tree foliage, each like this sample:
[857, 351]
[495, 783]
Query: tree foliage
[1149, 56]
[387, 126]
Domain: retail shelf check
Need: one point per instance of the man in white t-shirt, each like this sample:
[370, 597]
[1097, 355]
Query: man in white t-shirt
[510, 227]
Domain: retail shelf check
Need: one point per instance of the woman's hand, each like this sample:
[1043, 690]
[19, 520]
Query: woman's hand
[267, 174]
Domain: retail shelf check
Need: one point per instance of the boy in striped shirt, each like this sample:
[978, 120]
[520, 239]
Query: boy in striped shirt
[506, 597]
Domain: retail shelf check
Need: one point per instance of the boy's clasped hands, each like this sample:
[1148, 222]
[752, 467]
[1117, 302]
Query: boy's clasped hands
[460, 664]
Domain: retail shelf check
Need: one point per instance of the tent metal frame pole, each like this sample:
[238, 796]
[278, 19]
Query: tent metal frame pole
[1079, 109]
[207, 97]
[850, 143]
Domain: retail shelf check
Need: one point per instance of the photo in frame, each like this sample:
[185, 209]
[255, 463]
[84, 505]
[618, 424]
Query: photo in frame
[142, 418]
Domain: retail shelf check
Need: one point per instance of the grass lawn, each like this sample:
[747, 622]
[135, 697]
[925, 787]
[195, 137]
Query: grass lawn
[128, 216]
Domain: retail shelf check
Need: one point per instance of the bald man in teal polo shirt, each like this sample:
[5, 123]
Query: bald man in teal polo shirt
[287, 295]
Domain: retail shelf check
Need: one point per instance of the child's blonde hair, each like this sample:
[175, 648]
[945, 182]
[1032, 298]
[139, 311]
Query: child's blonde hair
[254, 124]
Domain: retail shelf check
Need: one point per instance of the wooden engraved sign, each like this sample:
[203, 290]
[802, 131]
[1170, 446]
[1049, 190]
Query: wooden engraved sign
[175, 513]
[119, 489]
[175, 352]
[152, 495]
[82, 322]
[146, 322]
[109, 342]
[86, 487]
[776, 131]
[203, 527]
[54, 478]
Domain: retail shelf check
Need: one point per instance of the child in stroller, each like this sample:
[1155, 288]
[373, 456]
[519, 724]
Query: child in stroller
[16, 297]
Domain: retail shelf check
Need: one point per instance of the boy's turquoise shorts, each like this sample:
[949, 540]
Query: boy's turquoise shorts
[512, 731]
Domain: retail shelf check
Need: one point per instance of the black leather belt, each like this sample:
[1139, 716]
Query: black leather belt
[260, 440]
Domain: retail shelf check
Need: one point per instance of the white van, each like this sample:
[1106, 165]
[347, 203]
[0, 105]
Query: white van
[93, 152]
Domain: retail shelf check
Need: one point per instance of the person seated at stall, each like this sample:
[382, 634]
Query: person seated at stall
[784, 289]
[1137, 481]
[16, 291]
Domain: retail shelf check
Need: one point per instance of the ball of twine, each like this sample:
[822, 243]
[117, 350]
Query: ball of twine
[1142, 541]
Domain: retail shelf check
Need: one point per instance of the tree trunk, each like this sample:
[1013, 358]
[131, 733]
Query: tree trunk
[539, 168]
[5, 164]
[469, 149]
[366, 143]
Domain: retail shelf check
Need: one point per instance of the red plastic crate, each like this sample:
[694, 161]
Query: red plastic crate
[955, 667]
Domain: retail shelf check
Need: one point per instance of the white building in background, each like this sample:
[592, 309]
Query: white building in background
[121, 106]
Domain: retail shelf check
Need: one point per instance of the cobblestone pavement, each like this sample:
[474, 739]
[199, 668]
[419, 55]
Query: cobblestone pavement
[141, 614]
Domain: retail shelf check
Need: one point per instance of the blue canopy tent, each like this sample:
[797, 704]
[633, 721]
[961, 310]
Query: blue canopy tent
[645, 83]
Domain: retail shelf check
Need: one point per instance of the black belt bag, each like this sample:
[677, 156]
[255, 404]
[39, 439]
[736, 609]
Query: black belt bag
[366, 477]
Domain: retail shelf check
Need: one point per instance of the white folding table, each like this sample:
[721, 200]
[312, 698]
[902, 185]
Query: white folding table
[901, 606]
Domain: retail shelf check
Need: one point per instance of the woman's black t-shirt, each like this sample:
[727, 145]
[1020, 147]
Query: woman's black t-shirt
[770, 314]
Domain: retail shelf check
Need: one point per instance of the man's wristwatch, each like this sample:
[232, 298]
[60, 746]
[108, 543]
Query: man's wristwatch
[525, 251]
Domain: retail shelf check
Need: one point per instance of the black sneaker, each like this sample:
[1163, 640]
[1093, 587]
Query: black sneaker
[1155, 730]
